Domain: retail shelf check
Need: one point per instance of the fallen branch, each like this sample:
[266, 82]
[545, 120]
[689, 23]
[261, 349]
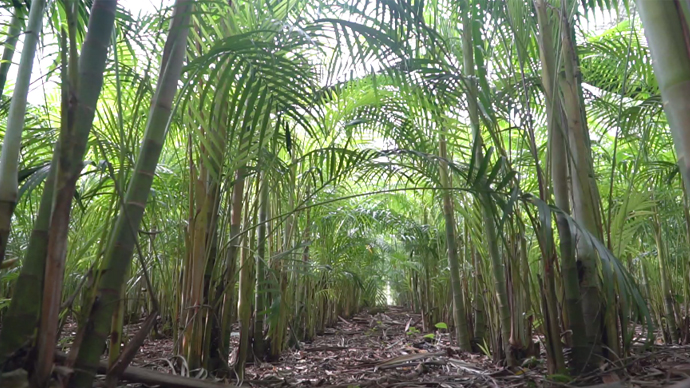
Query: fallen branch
[400, 361]
[465, 366]
[331, 348]
[151, 377]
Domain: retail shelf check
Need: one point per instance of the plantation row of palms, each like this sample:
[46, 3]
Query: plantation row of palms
[499, 166]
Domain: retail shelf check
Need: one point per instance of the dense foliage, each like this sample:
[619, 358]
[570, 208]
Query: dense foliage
[504, 167]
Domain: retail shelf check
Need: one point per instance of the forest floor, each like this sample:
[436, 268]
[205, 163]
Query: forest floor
[379, 350]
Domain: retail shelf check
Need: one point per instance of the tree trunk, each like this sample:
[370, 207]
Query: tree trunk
[463, 336]
[13, 32]
[667, 296]
[586, 206]
[484, 198]
[260, 295]
[74, 138]
[479, 309]
[118, 254]
[21, 319]
[246, 294]
[668, 42]
[559, 170]
[229, 302]
[9, 156]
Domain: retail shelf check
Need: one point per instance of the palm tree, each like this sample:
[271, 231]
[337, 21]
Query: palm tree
[316, 155]
[121, 246]
[9, 157]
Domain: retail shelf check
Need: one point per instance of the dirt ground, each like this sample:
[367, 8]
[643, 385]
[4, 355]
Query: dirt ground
[380, 351]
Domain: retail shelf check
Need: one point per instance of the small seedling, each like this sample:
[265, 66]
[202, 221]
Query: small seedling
[485, 348]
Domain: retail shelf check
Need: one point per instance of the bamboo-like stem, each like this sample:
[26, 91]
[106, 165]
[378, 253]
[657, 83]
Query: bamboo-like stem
[213, 359]
[25, 306]
[13, 32]
[559, 171]
[229, 303]
[260, 295]
[245, 296]
[11, 144]
[278, 327]
[668, 299]
[480, 306]
[586, 205]
[498, 266]
[306, 295]
[663, 27]
[192, 336]
[21, 318]
[118, 254]
[116, 330]
[461, 331]
[74, 138]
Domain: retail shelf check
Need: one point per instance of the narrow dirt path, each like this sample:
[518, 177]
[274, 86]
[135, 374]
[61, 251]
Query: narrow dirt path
[384, 349]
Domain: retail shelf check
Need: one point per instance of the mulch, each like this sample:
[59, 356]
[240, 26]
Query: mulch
[388, 350]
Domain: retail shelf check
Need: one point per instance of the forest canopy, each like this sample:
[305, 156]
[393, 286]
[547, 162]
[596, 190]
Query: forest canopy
[515, 170]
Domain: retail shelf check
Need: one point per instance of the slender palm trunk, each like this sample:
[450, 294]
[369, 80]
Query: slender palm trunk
[462, 333]
[118, 253]
[21, 319]
[571, 286]
[116, 330]
[73, 143]
[305, 295]
[498, 265]
[229, 302]
[13, 32]
[479, 333]
[9, 157]
[260, 296]
[278, 327]
[668, 42]
[586, 209]
[246, 295]
[667, 295]
[212, 316]
[196, 263]
[559, 170]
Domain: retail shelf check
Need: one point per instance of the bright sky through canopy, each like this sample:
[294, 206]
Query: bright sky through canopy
[42, 88]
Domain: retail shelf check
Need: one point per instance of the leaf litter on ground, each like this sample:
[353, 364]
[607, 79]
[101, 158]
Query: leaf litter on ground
[388, 349]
